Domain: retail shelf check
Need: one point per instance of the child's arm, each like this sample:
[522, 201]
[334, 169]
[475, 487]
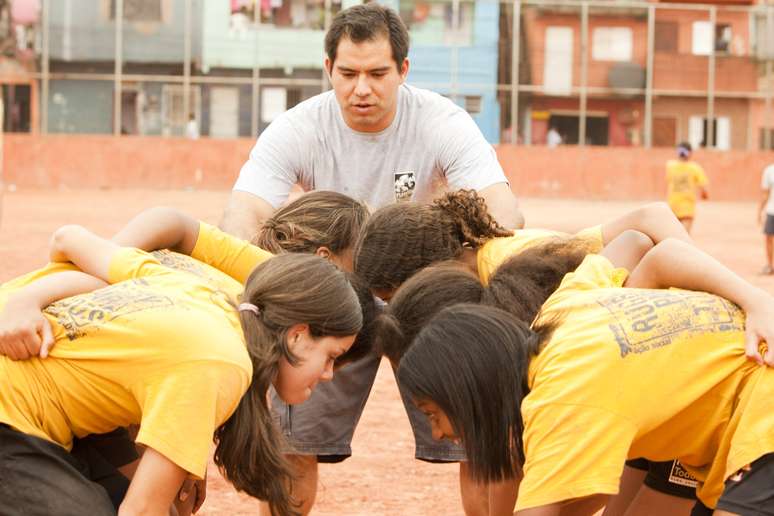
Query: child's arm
[154, 486]
[24, 331]
[90, 253]
[673, 263]
[160, 228]
[655, 220]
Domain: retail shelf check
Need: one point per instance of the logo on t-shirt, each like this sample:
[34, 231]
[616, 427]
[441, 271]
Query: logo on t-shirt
[404, 185]
[644, 320]
[680, 476]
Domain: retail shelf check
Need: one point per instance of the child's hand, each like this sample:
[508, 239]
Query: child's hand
[24, 331]
[759, 329]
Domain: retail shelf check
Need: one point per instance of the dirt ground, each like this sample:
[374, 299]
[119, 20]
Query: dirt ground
[382, 477]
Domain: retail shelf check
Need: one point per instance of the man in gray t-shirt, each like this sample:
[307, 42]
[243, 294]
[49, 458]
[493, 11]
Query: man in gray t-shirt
[372, 137]
[378, 140]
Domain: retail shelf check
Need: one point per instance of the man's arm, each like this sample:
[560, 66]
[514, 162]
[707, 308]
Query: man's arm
[503, 205]
[244, 214]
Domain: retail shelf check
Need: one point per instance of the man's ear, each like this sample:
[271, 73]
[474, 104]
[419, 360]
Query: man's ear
[328, 64]
[404, 69]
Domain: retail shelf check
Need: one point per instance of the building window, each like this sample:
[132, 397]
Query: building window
[611, 44]
[174, 115]
[721, 132]
[274, 102]
[722, 38]
[704, 40]
[701, 38]
[666, 37]
[299, 14]
[473, 104]
[138, 10]
[16, 100]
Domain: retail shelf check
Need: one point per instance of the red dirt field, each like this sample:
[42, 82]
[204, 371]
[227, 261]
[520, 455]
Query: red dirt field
[382, 477]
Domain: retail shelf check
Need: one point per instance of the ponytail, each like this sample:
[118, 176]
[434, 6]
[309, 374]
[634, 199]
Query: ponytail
[474, 223]
[283, 291]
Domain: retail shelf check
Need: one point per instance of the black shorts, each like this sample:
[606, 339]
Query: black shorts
[102, 454]
[748, 493]
[38, 477]
[768, 227]
[667, 477]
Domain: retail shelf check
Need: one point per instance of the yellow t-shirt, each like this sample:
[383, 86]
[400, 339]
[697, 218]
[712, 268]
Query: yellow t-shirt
[158, 347]
[683, 177]
[227, 253]
[628, 373]
[494, 252]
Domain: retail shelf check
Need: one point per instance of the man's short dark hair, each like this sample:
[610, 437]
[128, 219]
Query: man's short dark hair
[366, 22]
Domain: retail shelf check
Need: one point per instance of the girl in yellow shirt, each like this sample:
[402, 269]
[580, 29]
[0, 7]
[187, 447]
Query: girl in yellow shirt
[168, 351]
[684, 178]
[401, 239]
[607, 373]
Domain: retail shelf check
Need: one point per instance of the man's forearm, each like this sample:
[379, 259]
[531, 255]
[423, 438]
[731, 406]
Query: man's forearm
[244, 214]
[503, 205]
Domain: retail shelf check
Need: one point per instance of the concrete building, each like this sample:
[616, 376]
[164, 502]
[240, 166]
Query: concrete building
[706, 64]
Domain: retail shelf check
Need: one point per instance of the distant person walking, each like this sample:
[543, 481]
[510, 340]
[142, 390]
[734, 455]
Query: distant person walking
[684, 178]
[553, 138]
[192, 128]
[767, 205]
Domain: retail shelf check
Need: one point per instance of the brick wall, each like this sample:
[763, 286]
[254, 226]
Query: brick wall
[135, 162]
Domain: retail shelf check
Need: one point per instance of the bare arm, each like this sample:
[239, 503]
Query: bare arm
[160, 228]
[655, 220]
[673, 263]
[154, 486]
[627, 249]
[703, 192]
[24, 331]
[89, 252]
[503, 205]
[244, 214]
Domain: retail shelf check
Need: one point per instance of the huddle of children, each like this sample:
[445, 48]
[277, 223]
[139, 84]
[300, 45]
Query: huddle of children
[620, 367]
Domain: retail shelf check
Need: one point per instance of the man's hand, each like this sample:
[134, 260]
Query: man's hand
[24, 331]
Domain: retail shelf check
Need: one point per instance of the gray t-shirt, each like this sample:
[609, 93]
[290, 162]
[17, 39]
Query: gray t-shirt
[431, 144]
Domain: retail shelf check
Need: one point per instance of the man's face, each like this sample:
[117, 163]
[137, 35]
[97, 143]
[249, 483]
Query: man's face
[366, 80]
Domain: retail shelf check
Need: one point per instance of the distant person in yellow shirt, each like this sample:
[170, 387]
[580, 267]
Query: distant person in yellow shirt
[141, 351]
[607, 373]
[684, 178]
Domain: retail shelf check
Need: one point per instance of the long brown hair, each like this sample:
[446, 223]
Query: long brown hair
[316, 219]
[522, 283]
[400, 239]
[288, 289]
[416, 301]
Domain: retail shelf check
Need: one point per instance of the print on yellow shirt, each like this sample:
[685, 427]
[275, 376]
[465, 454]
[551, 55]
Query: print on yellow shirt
[648, 319]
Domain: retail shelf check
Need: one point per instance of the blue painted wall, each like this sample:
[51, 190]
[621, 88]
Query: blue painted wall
[431, 66]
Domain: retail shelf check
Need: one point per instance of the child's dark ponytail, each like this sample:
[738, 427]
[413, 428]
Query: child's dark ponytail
[283, 291]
